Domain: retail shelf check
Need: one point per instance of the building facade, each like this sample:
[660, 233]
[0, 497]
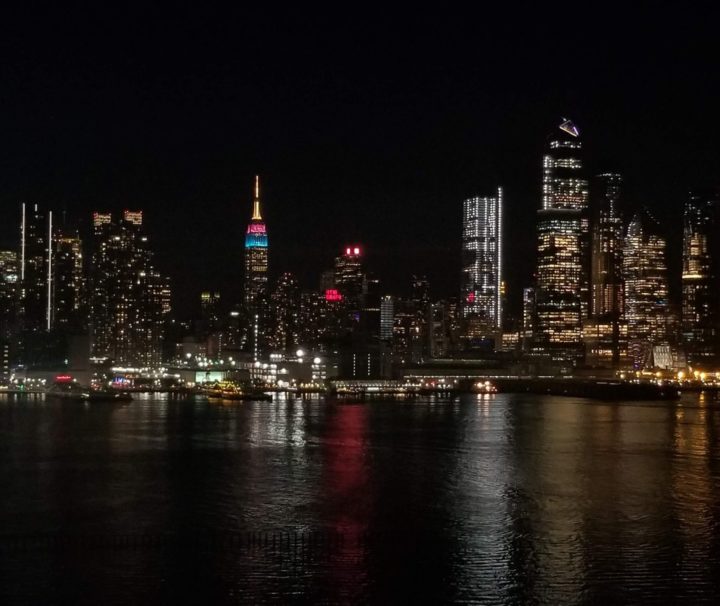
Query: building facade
[482, 259]
[130, 299]
[700, 316]
[562, 289]
[646, 288]
[256, 277]
[605, 334]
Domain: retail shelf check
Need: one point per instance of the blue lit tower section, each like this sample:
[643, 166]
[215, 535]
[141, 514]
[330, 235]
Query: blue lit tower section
[482, 259]
[563, 269]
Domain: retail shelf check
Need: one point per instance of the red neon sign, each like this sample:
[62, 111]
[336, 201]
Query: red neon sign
[63, 379]
[332, 295]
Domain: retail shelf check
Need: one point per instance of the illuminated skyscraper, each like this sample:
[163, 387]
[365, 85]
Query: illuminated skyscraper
[68, 309]
[605, 334]
[701, 276]
[256, 255]
[256, 277]
[284, 314]
[8, 308]
[130, 300]
[36, 258]
[646, 288]
[482, 259]
[350, 277]
[561, 297]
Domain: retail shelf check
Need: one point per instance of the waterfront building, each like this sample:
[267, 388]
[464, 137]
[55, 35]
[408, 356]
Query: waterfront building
[256, 276]
[646, 288]
[482, 259]
[562, 290]
[130, 299]
[700, 318]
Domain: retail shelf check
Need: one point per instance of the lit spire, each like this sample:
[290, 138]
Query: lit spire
[256, 203]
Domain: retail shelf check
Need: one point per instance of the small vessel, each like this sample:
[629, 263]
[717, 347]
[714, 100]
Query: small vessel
[226, 390]
[484, 387]
[68, 391]
[76, 392]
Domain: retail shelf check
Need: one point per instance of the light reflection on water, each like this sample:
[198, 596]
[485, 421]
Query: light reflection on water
[508, 498]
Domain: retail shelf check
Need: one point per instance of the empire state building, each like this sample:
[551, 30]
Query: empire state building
[256, 256]
[256, 274]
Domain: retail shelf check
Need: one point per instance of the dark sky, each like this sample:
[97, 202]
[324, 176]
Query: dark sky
[366, 125]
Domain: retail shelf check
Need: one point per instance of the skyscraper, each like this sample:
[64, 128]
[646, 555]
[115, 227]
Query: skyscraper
[561, 298]
[701, 276]
[285, 313]
[482, 259]
[129, 297]
[68, 300]
[646, 287]
[8, 308]
[605, 333]
[36, 257]
[256, 276]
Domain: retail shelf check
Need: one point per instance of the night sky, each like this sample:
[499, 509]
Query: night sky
[365, 126]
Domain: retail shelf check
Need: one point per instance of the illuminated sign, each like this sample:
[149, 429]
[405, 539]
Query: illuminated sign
[471, 297]
[63, 379]
[332, 295]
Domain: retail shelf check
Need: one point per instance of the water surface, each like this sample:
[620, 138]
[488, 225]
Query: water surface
[498, 499]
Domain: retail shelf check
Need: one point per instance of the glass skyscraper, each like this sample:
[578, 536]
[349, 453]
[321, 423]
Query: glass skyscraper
[646, 288]
[563, 246]
[482, 259]
[700, 274]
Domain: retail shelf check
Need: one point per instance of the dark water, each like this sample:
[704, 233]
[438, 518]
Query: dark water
[508, 499]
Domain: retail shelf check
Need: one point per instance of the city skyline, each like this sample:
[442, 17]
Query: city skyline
[178, 124]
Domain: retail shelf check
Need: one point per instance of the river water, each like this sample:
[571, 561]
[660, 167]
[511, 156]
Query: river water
[506, 499]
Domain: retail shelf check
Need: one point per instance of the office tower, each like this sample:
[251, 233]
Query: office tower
[607, 238]
[36, 252]
[646, 287]
[350, 277]
[605, 334]
[284, 313]
[8, 308]
[561, 297]
[482, 259]
[210, 314]
[387, 317]
[130, 299]
[68, 289]
[256, 277]
[701, 276]
[256, 255]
